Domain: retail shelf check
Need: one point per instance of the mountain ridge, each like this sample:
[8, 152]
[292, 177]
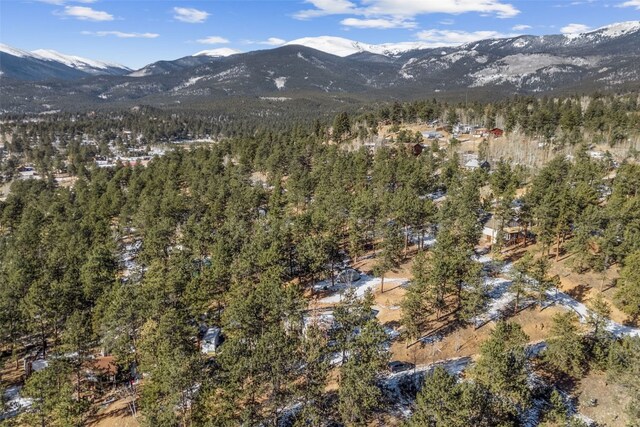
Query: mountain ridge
[43, 64]
[602, 59]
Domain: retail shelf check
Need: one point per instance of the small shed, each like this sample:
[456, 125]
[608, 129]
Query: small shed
[211, 340]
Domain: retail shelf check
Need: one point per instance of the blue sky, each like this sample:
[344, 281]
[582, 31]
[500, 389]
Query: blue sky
[137, 32]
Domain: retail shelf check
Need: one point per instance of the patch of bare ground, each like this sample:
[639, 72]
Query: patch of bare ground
[602, 401]
[113, 411]
[447, 340]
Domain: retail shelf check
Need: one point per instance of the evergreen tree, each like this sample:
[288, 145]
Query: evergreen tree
[359, 394]
[52, 392]
[415, 305]
[520, 276]
[628, 294]
[624, 366]
[391, 255]
[565, 351]
[557, 412]
[438, 402]
[502, 366]
[314, 377]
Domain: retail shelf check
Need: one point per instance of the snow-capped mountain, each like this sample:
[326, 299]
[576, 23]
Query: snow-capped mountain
[220, 52]
[344, 47]
[45, 64]
[87, 65]
[603, 59]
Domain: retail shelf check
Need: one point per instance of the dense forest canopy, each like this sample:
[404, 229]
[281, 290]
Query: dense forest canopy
[134, 260]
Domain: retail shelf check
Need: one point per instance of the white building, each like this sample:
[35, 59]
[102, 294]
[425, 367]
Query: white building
[211, 340]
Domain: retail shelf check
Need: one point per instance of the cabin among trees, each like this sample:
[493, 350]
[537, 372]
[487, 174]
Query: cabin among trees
[513, 232]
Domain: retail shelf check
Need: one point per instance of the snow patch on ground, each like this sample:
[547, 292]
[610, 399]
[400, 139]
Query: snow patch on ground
[361, 286]
[275, 98]
[39, 364]
[187, 83]
[14, 403]
[231, 73]
[140, 73]
[583, 313]
[280, 82]
[520, 43]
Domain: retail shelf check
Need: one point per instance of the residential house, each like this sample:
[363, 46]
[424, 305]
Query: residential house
[513, 232]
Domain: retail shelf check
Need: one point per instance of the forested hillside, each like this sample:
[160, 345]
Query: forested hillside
[254, 231]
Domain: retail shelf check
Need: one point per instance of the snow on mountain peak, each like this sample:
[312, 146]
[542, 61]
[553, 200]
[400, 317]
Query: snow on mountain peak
[87, 65]
[15, 52]
[223, 51]
[619, 29]
[610, 31]
[77, 62]
[344, 47]
[334, 45]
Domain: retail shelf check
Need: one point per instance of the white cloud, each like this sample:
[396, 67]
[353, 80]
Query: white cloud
[420, 7]
[521, 27]
[213, 40]
[61, 2]
[327, 7]
[631, 3]
[406, 9]
[84, 13]
[436, 38]
[574, 29]
[378, 23]
[121, 34]
[273, 41]
[190, 15]
[447, 22]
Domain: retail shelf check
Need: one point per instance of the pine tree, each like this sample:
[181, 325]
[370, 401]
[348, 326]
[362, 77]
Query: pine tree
[502, 366]
[565, 350]
[169, 357]
[391, 254]
[52, 392]
[415, 305]
[519, 274]
[358, 393]
[314, 377]
[558, 409]
[599, 314]
[438, 402]
[624, 367]
[540, 281]
[628, 295]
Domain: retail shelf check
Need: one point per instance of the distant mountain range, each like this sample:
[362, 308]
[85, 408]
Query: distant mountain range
[604, 59]
[45, 64]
